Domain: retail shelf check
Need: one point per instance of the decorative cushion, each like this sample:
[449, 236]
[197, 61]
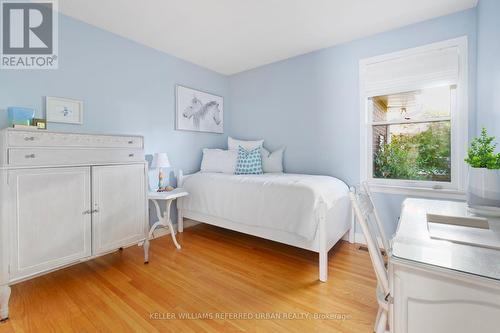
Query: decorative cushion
[233, 144]
[218, 160]
[249, 162]
[272, 162]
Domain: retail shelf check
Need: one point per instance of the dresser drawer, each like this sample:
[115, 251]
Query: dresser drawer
[51, 139]
[46, 157]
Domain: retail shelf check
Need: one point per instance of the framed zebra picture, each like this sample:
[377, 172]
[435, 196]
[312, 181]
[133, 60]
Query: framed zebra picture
[199, 111]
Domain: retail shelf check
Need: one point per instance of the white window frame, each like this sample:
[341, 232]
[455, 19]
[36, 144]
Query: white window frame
[459, 126]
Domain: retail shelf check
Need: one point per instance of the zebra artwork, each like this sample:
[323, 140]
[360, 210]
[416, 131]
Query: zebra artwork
[199, 111]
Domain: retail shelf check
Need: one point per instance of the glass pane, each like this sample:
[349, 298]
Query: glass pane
[414, 105]
[419, 151]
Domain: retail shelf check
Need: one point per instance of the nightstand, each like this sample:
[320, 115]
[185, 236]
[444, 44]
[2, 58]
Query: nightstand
[164, 220]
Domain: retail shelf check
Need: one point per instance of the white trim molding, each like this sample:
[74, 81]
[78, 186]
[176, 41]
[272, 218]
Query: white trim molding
[418, 68]
[360, 239]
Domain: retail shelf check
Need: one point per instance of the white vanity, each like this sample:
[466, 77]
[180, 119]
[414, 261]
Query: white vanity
[66, 198]
[438, 285]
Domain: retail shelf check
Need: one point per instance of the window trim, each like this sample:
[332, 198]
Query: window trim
[459, 134]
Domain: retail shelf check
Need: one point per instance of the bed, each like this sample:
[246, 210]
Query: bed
[306, 211]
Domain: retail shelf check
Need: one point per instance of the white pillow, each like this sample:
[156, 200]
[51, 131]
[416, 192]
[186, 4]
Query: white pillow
[232, 144]
[272, 162]
[218, 160]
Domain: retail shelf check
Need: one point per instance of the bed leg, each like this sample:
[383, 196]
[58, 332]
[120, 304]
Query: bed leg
[323, 266]
[180, 221]
[323, 252]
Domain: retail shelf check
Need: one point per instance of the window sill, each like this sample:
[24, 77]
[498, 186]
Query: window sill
[418, 191]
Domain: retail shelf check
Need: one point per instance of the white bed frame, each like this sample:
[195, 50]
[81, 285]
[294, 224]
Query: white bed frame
[333, 225]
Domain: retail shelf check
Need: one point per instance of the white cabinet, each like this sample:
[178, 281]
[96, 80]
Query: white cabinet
[47, 229]
[433, 300]
[119, 205]
[66, 198]
[439, 285]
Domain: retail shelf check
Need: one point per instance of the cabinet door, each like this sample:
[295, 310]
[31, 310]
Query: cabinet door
[50, 222]
[119, 204]
[431, 300]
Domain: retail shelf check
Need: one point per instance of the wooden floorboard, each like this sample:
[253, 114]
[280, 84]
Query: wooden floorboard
[217, 276]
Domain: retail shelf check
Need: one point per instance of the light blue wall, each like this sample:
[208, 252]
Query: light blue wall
[127, 88]
[310, 103]
[488, 69]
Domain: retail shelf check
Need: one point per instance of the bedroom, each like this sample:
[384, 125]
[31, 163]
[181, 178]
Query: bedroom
[332, 90]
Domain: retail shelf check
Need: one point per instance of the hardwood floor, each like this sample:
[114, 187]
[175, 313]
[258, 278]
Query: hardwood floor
[218, 274]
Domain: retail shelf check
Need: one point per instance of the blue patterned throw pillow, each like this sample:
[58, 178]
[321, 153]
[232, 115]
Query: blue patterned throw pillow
[249, 162]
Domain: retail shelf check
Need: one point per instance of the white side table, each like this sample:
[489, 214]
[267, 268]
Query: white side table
[164, 220]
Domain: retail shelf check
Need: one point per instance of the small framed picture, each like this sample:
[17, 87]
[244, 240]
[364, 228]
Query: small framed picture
[39, 123]
[64, 110]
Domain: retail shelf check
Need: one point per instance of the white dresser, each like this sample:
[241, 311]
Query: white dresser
[442, 286]
[66, 198]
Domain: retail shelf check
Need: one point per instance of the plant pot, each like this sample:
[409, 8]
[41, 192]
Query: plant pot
[483, 190]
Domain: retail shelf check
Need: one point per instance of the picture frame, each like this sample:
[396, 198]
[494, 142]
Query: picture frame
[39, 123]
[64, 110]
[198, 111]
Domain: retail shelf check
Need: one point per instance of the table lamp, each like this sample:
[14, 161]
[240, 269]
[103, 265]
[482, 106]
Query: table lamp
[160, 160]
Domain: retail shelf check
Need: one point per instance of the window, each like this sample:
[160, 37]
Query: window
[411, 135]
[414, 119]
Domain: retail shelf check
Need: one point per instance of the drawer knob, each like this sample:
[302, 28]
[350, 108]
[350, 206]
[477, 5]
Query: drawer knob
[29, 138]
[130, 142]
[130, 155]
[29, 156]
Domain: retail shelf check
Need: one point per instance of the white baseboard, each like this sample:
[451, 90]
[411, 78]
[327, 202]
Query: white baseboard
[160, 232]
[359, 238]
[346, 237]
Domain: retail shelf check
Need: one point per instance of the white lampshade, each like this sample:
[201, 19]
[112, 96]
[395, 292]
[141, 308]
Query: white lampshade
[160, 160]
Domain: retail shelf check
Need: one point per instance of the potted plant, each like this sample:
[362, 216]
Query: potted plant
[483, 190]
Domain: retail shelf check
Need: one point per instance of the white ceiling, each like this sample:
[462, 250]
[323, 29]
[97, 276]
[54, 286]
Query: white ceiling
[230, 36]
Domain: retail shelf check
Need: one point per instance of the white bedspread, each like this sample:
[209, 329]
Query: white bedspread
[287, 202]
